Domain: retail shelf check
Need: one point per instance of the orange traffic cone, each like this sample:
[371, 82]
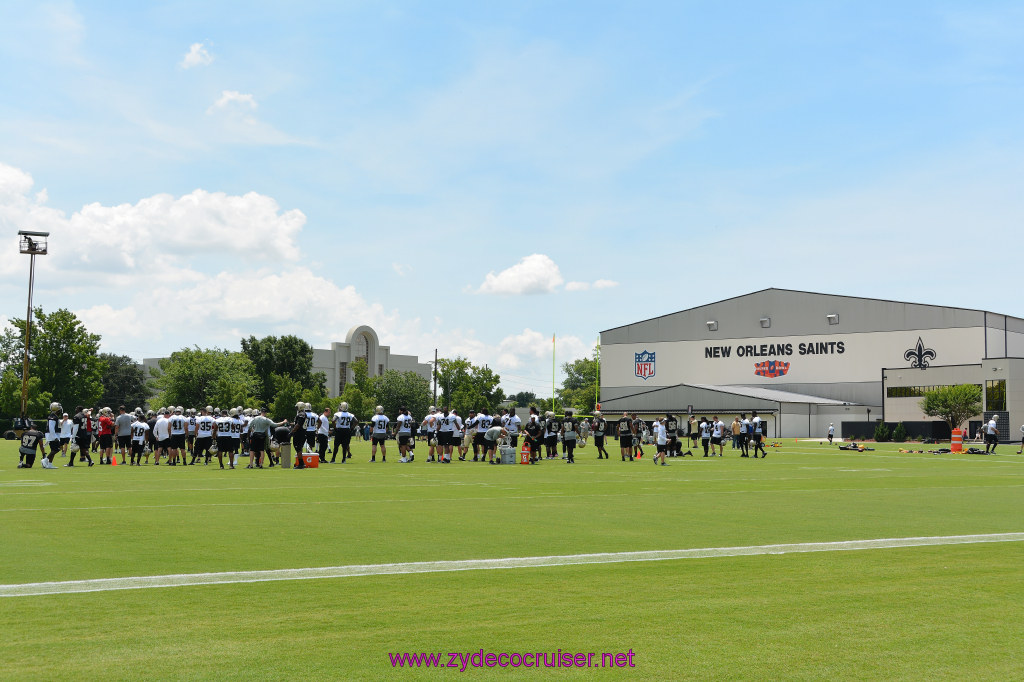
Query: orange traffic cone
[113, 460]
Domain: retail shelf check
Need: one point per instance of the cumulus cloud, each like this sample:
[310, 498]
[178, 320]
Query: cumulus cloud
[197, 55]
[209, 268]
[534, 274]
[605, 284]
[233, 97]
[162, 237]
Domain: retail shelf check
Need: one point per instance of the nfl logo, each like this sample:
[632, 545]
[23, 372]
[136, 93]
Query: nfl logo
[644, 364]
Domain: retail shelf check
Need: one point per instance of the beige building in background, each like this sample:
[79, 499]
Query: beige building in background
[362, 342]
[336, 362]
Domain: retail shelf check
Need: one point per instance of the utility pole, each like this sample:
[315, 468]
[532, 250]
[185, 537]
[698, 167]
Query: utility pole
[34, 244]
[435, 376]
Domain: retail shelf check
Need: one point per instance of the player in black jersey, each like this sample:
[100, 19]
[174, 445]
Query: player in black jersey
[671, 441]
[534, 434]
[599, 426]
[624, 427]
[638, 435]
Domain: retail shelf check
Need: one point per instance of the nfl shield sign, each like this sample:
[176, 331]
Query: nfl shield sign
[644, 364]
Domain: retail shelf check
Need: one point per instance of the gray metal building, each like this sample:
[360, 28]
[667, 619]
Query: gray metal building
[809, 359]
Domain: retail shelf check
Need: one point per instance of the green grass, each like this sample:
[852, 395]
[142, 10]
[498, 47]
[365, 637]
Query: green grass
[946, 612]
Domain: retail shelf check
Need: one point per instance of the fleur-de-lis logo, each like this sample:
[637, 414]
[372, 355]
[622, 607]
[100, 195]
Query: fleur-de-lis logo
[919, 355]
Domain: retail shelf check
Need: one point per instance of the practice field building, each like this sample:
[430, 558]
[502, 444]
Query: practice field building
[804, 360]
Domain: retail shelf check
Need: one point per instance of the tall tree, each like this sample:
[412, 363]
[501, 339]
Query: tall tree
[452, 375]
[124, 382]
[10, 396]
[285, 356]
[579, 388]
[63, 355]
[465, 386]
[524, 398]
[194, 377]
[955, 404]
[395, 388]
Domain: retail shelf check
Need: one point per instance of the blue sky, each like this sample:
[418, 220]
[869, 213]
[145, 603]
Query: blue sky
[477, 176]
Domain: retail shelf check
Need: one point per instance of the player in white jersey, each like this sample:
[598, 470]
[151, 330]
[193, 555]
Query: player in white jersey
[311, 425]
[190, 434]
[244, 416]
[222, 433]
[139, 430]
[513, 424]
[744, 435]
[379, 435]
[717, 436]
[178, 427]
[660, 440]
[445, 422]
[429, 426]
[161, 436]
[404, 424]
[323, 430]
[345, 424]
[481, 422]
[458, 436]
[705, 435]
[757, 433]
[204, 436]
[236, 434]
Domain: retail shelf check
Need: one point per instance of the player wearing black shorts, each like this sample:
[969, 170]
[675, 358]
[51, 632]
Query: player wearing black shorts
[483, 422]
[534, 432]
[599, 426]
[624, 427]
[344, 424]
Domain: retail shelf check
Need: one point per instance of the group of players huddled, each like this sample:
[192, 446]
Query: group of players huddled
[189, 436]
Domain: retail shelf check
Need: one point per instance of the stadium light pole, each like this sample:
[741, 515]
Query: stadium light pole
[34, 244]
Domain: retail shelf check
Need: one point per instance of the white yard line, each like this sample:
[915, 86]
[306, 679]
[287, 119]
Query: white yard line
[191, 579]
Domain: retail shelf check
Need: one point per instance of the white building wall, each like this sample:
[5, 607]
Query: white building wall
[848, 358]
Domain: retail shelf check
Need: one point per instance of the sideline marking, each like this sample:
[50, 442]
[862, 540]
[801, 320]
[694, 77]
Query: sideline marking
[190, 579]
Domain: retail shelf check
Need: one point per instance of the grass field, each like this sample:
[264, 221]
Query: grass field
[929, 612]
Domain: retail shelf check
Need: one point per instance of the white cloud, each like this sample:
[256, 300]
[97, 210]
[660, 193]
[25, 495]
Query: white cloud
[232, 97]
[162, 238]
[605, 284]
[400, 269]
[534, 274]
[197, 55]
[209, 268]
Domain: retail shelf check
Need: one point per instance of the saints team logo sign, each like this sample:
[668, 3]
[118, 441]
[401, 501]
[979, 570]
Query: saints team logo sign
[644, 364]
[771, 368]
[918, 356]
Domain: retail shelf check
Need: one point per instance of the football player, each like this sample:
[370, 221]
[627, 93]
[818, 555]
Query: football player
[379, 434]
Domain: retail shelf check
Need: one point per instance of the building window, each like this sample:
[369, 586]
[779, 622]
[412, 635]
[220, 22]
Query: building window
[380, 370]
[342, 377]
[919, 391]
[995, 395]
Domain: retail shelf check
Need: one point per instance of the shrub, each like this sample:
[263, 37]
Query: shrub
[881, 433]
[899, 434]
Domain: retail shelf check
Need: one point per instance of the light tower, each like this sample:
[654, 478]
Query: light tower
[34, 244]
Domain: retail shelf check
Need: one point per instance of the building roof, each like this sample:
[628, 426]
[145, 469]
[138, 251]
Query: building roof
[798, 291]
